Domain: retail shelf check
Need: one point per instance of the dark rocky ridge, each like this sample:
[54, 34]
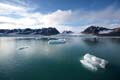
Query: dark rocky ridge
[99, 31]
[28, 31]
[94, 30]
[67, 32]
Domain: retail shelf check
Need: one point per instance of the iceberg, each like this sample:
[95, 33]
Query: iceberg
[58, 41]
[92, 62]
[87, 65]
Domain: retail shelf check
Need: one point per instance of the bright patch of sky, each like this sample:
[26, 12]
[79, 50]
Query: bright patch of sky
[73, 15]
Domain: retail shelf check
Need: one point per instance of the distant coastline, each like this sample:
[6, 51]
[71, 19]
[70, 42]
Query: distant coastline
[27, 32]
[92, 30]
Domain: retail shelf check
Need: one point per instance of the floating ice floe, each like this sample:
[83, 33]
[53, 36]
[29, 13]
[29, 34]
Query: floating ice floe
[58, 41]
[92, 62]
[24, 47]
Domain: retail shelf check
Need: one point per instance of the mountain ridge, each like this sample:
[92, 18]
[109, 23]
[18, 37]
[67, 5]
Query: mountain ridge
[44, 31]
[102, 31]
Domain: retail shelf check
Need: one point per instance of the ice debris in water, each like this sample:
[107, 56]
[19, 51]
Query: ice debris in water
[92, 62]
[58, 41]
[21, 48]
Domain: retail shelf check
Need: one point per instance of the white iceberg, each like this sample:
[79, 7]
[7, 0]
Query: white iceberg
[58, 41]
[92, 62]
[87, 65]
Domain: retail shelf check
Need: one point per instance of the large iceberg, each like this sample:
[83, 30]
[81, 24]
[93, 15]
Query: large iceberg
[58, 41]
[92, 62]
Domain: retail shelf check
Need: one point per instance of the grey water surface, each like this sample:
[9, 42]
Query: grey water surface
[42, 61]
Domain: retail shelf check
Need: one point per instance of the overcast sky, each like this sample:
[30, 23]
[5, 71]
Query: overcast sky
[63, 14]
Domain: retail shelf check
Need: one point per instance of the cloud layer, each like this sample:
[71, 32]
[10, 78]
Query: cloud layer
[12, 16]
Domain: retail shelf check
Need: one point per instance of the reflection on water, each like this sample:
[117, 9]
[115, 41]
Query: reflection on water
[7, 47]
[49, 62]
[89, 41]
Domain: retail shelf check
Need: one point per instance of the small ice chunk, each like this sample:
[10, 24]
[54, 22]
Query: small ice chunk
[24, 47]
[92, 62]
[58, 41]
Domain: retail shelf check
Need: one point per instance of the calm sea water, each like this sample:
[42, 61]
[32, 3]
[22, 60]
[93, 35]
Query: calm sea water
[41, 61]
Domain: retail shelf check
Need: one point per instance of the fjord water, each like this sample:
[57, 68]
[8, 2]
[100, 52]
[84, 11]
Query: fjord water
[41, 61]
